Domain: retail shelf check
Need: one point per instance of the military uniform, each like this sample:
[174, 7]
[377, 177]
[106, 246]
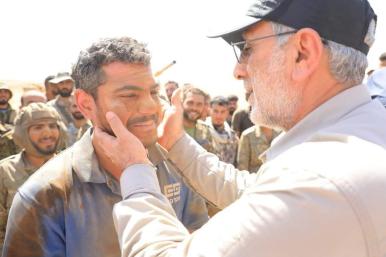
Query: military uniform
[8, 115]
[62, 108]
[14, 171]
[201, 133]
[224, 142]
[252, 144]
[7, 146]
[241, 121]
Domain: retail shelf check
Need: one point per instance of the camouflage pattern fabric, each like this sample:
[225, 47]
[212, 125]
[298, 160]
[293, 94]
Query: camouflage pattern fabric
[14, 171]
[252, 144]
[224, 142]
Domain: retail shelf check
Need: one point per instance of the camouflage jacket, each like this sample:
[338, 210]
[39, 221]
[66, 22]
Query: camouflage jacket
[7, 146]
[224, 142]
[201, 133]
[62, 108]
[8, 116]
[252, 144]
[14, 171]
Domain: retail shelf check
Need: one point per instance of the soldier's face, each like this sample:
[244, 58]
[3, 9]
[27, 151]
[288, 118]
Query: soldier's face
[4, 96]
[65, 88]
[193, 106]
[169, 89]
[131, 92]
[232, 106]
[75, 112]
[219, 114]
[44, 136]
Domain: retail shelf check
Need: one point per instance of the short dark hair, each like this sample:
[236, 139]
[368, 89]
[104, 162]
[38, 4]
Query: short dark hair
[47, 80]
[219, 100]
[233, 98]
[189, 88]
[172, 82]
[87, 71]
[382, 57]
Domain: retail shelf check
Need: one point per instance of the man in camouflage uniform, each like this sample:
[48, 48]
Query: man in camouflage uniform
[65, 85]
[51, 89]
[253, 142]
[7, 146]
[39, 131]
[194, 105]
[7, 114]
[224, 139]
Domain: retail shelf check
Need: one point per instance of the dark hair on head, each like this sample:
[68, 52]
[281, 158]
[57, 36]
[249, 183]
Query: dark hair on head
[233, 98]
[382, 57]
[172, 82]
[189, 88]
[87, 71]
[219, 100]
[46, 81]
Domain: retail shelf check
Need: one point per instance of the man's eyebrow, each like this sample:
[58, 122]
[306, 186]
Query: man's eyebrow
[132, 87]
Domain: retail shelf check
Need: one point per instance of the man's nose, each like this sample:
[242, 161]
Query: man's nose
[149, 105]
[239, 72]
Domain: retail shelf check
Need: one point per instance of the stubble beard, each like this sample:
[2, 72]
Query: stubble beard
[275, 104]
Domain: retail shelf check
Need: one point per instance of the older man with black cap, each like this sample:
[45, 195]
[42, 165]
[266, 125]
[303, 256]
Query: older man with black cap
[322, 189]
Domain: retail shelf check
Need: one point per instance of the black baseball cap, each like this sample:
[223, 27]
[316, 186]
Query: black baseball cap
[343, 21]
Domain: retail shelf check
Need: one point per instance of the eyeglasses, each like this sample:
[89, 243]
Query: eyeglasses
[241, 52]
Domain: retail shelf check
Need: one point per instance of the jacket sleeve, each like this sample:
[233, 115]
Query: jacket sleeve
[277, 211]
[33, 228]
[218, 182]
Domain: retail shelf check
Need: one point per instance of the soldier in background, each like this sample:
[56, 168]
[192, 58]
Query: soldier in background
[224, 139]
[62, 102]
[51, 90]
[32, 96]
[7, 113]
[40, 132]
[194, 105]
[7, 146]
[79, 123]
[170, 87]
[241, 120]
[232, 106]
[254, 141]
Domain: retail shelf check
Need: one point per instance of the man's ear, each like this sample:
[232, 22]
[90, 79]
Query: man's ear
[308, 55]
[86, 103]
